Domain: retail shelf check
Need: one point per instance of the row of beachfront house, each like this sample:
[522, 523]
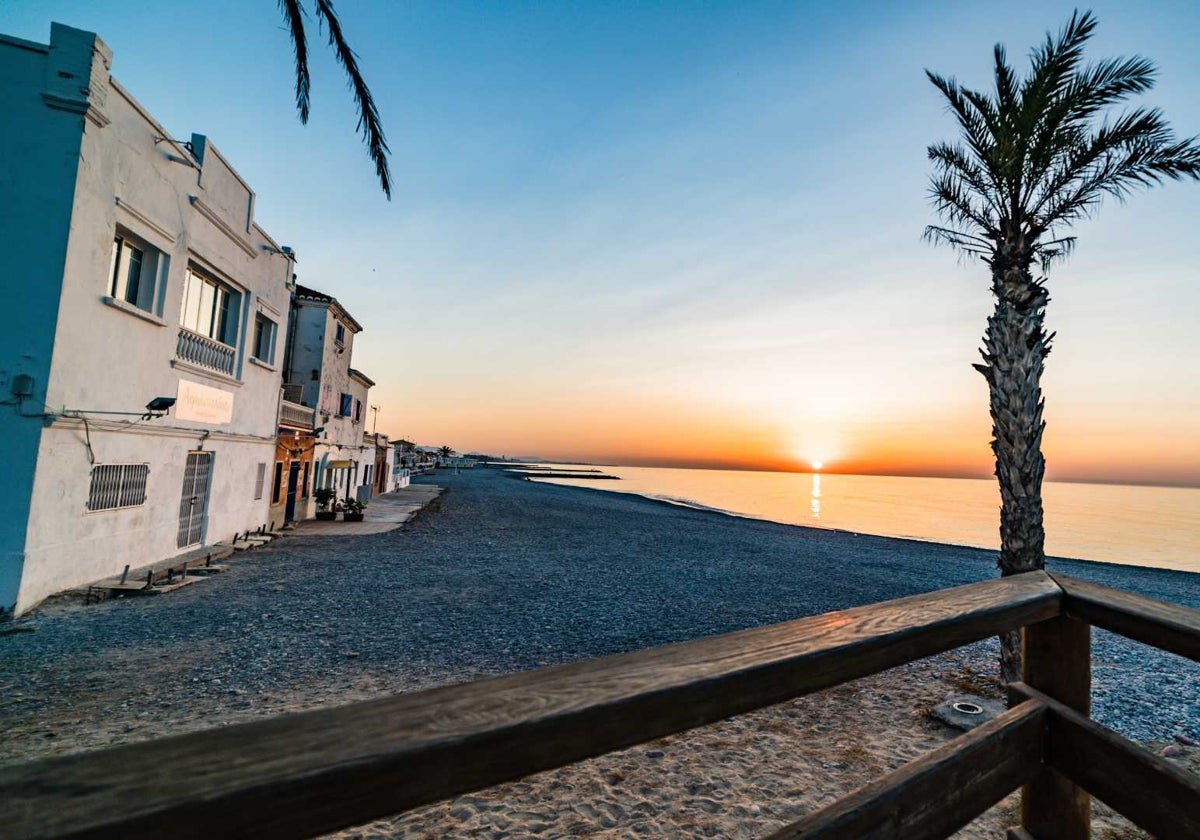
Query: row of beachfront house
[166, 382]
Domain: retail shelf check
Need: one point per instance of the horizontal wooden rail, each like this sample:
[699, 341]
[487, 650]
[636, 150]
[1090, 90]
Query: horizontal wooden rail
[307, 774]
[940, 792]
[1145, 788]
[1166, 626]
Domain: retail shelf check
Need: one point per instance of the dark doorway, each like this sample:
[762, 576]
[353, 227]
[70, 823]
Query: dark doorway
[293, 487]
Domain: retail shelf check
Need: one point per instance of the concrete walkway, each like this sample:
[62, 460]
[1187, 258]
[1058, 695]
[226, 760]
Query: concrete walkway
[383, 513]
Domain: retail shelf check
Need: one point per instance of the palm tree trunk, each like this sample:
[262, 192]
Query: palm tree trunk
[1014, 352]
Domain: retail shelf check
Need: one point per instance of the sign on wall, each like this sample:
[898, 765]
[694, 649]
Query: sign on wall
[203, 404]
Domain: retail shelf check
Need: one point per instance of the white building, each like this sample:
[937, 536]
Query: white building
[318, 374]
[135, 272]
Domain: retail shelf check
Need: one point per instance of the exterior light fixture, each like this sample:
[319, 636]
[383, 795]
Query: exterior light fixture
[158, 407]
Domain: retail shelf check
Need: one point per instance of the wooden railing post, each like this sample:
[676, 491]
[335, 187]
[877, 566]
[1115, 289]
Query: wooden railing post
[1058, 662]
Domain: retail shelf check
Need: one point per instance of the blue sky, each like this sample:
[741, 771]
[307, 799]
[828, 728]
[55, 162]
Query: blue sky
[616, 220]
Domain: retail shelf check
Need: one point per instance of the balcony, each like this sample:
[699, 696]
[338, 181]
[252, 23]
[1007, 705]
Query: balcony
[204, 352]
[296, 416]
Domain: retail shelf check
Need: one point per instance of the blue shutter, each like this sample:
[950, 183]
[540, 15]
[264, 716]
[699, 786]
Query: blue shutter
[344, 411]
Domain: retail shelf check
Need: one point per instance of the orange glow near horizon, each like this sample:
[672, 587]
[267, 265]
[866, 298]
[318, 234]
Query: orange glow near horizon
[956, 444]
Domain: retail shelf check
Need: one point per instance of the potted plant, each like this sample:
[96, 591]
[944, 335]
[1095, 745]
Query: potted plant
[324, 497]
[352, 510]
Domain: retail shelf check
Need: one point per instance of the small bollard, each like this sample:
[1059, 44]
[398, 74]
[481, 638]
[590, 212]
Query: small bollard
[125, 573]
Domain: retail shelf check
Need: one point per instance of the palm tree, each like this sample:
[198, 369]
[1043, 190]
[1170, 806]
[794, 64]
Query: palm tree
[445, 451]
[1036, 155]
[369, 123]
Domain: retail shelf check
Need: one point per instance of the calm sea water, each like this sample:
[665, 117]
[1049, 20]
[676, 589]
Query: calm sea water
[1139, 526]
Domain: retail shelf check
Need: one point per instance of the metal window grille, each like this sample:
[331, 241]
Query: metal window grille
[118, 486]
[259, 480]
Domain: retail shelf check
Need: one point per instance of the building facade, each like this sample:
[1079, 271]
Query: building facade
[318, 376]
[142, 370]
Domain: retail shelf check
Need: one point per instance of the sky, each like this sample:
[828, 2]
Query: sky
[684, 234]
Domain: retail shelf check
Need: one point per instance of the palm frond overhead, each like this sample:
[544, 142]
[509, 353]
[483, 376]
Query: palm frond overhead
[293, 14]
[369, 123]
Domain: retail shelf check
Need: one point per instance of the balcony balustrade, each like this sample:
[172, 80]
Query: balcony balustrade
[296, 416]
[201, 350]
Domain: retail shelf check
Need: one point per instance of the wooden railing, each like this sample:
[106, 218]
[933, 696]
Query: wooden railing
[311, 773]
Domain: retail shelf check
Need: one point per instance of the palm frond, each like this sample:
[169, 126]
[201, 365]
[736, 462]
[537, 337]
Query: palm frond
[966, 243]
[1053, 250]
[955, 161]
[1064, 126]
[1138, 150]
[293, 14]
[1054, 63]
[960, 205]
[1038, 155]
[369, 123]
[974, 125]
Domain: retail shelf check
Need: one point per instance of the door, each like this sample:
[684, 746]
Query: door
[289, 514]
[193, 505]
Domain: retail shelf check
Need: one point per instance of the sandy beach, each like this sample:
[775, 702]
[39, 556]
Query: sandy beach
[501, 575]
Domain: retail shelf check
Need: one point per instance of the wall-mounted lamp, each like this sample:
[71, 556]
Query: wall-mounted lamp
[158, 407]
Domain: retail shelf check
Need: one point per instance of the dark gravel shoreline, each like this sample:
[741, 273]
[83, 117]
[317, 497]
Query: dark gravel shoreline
[501, 575]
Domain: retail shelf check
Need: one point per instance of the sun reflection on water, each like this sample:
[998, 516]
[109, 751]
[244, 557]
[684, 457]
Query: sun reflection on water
[815, 502]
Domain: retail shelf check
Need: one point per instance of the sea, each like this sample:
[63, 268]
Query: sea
[1131, 525]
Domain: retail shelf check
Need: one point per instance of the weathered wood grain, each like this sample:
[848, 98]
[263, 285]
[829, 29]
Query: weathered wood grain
[939, 793]
[303, 775]
[1144, 787]
[1057, 657]
[1167, 626]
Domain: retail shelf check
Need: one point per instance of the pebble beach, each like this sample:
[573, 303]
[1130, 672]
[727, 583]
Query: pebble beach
[502, 575]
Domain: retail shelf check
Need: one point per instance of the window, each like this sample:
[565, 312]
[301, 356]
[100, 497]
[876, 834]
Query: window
[260, 479]
[133, 271]
[339, 332]
[277, 486]
[304, 482]
[210, 308]
[357, 410]
[345, 409]
[264, 338]
[118, 486]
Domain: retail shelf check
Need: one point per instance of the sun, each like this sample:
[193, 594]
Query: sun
[816, 465]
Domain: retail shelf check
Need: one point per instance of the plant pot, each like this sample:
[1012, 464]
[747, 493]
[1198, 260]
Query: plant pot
[352, 517]
[327, 515]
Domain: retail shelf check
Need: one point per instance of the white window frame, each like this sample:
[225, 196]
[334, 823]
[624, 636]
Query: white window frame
[210, 307]
[152, 267]
[271, 340]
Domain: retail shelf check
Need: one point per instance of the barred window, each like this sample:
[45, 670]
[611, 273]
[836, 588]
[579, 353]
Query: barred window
[118, 486]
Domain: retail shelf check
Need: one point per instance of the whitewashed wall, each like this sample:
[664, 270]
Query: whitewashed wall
[193, 207]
